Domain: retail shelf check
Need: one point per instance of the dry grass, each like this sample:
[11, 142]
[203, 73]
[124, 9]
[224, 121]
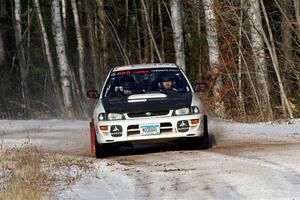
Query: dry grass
[28, 173]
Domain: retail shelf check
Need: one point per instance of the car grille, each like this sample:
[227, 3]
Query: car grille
[147, 114]
[134, 129]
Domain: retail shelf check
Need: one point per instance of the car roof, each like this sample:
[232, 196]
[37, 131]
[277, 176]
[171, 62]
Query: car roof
[145, 66]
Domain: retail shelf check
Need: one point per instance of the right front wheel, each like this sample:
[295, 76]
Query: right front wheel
[97, 150]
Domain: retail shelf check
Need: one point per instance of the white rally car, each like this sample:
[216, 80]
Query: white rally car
[145, 103]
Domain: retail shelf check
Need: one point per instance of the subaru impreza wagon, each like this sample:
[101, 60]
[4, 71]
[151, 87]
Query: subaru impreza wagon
[145, 103]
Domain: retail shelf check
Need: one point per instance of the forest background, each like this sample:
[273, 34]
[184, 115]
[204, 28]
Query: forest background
[247, 51]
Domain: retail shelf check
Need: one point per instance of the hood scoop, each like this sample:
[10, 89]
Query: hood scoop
[145, 97]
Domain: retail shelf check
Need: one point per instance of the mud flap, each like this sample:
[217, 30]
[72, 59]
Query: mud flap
[205, 126]
[93, 139]
[205, 139]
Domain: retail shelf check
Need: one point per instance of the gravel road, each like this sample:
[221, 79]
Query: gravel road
[246, 161]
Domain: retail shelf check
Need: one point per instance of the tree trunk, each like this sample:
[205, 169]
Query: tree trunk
[145, 36]
[138, 33]
[28, 35]
[213, 52]
[240, 78]
[151, 43]
[80, 47]
[259, 56]
[162, 37]
[92, 49]
[2, 49]
[3, 8]
[21, 55]
[104, 41]
[64, 16]
[287, 37]
[297, 13]
[150, 31]
[48, 55]
[199, 30]
[272, 48]
[62, 57]
[126, 27]
[3, 14]
[118, 42]
[178, 33]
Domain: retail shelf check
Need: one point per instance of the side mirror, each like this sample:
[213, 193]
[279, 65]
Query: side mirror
[93, 94]
[200, 86]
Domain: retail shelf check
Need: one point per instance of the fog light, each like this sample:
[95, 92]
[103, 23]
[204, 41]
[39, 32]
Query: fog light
[195, 121]
[103, 128]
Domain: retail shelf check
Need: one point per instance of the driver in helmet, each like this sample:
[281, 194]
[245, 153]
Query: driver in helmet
[167, 82]
[128, 85]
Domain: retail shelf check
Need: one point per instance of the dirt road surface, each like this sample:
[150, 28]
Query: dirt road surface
[246, 161]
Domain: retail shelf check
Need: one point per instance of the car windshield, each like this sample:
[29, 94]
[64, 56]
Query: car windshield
[128, 82]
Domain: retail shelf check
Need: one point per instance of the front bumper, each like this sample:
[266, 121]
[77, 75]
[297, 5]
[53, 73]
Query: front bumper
[131, 132]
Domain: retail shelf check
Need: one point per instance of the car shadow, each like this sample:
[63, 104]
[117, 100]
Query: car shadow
[180, 145]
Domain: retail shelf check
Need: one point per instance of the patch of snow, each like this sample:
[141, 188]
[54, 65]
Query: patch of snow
[230, 170]
[38, 125]
[275, 129]
[107, 181]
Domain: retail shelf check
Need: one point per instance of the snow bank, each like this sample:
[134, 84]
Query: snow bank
[54, 125]
[289, 128]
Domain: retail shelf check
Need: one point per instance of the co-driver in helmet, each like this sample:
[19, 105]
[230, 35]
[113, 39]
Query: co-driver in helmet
[128, 85]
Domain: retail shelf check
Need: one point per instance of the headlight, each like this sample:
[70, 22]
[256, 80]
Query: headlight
[114, 116]
[182, 111]
[110, 116]
[187, 111]
[194, 110]
[101, 117]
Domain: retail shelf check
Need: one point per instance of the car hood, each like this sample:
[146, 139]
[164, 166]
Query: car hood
[147, 102]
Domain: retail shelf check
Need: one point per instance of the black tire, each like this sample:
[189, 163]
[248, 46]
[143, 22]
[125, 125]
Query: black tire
[101, 150]
[205, 137]
[204, 142]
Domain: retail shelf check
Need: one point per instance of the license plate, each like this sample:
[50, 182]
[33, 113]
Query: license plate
[150, 129]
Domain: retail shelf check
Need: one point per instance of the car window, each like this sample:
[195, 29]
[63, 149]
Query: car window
[145, 81]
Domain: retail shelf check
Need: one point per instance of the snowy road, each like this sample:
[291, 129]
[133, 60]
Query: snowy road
[247, 161]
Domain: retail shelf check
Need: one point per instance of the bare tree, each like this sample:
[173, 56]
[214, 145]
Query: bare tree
[213, 52]
[62, 57]
[104, 41]
[3, 14]
[3, 8]
[150, 31]
[297, 13]
[138, 32]
[2, 49]
[48, 54]
[240, 81]
[21, 54]
[162, 37]
[286, 8]
[80, 47]
[258, 48]
[178, 33]
[272, 49]
[92, 44]
[64, 15]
